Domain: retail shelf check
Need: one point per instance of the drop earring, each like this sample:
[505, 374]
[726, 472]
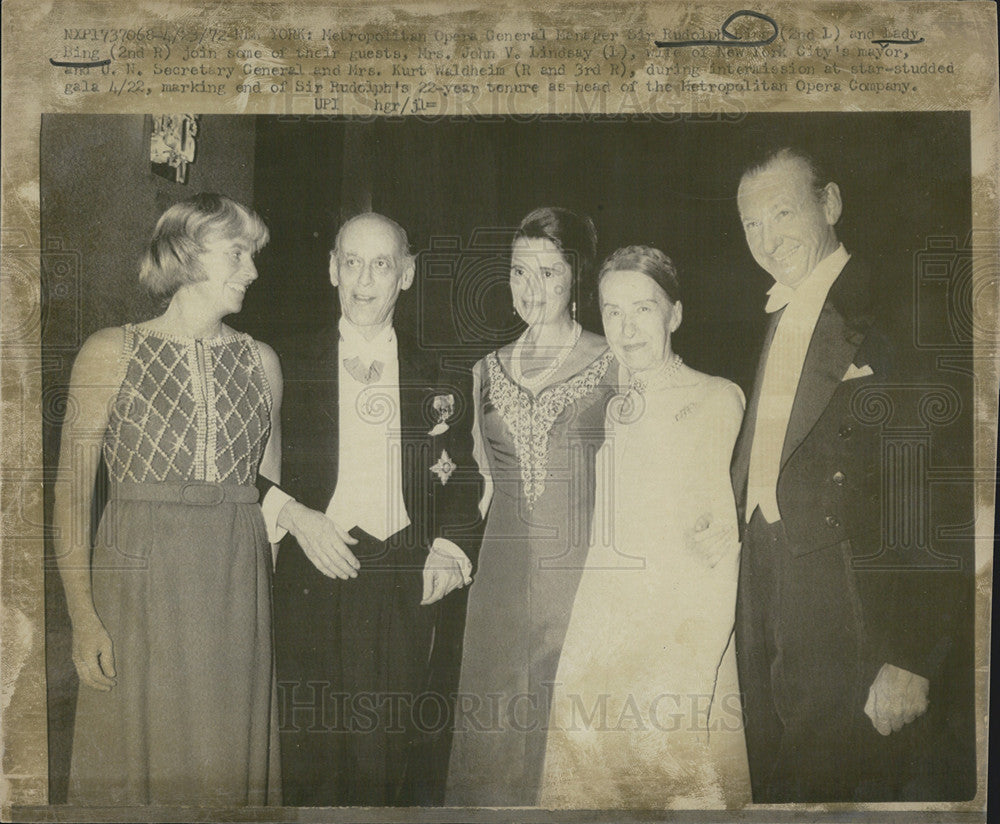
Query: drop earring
[572, 310]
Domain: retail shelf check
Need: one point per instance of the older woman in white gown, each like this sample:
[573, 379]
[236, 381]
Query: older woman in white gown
[646, 709]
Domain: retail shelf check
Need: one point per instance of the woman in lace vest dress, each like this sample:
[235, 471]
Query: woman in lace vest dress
[170, 612]
[540, 420]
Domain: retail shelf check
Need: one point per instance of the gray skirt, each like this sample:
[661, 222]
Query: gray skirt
[182, 583]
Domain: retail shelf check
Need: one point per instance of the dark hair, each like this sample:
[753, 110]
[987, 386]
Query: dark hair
[575, 237]
[650, 262]
[819, 175]
[171, 261]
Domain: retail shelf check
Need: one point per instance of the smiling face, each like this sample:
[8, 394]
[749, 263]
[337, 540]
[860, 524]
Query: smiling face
[788, 228]
[638, 319]
[540, 280]
[369, 270]
[228, 269]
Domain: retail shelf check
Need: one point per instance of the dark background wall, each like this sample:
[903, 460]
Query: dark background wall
[459, 186]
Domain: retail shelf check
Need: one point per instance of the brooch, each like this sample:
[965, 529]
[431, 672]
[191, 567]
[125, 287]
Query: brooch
[444, 467]
[444, 406]
[687, 410]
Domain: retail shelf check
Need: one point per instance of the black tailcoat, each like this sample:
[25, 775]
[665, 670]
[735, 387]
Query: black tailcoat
[353, 656]
[824, 600]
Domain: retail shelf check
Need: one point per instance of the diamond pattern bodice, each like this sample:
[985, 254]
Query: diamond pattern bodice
[188, 409]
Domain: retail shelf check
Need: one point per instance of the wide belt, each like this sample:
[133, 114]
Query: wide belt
[196, 493]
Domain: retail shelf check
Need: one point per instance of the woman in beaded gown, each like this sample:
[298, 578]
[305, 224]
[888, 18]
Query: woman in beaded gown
[171, 612]
[646, 710]
[540, 420]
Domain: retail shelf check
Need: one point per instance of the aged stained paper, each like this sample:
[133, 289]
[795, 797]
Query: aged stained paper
[457, 119]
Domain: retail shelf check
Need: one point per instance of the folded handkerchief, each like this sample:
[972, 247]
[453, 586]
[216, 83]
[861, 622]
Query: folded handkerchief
[857, 372]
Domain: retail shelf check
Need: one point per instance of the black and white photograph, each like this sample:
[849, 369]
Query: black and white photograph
[496, 412]
[572, 463]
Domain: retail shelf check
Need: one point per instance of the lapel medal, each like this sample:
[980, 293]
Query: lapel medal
[444, 467]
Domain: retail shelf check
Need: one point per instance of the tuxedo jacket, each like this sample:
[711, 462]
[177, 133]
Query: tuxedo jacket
[439, 504]
[369, 636]
[834, 479]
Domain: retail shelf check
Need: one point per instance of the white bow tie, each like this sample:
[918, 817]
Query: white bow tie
[383, 348]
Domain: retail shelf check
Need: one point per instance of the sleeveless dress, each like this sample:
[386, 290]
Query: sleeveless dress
[540, 452]
[181, 580]
[646, 711]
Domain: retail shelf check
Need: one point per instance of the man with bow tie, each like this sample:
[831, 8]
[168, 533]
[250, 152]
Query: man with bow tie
[380, 500]
[841, 664]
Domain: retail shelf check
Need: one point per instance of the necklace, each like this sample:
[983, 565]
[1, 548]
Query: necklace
[641, 383]
[539, 380]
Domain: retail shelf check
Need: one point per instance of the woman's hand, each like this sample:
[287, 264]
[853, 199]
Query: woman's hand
[93, 654]
[713, 541]
[93, 388]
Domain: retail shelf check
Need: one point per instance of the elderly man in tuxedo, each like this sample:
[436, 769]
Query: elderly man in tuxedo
[842, 662]
[380, 502]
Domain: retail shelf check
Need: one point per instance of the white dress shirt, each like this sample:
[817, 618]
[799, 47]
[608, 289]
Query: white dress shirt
[369, 492]
[782, 371]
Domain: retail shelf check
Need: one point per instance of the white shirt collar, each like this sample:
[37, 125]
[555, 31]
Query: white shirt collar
[353, 343]
[816, 283]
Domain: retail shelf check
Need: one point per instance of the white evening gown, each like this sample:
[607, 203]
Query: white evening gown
[646, 710]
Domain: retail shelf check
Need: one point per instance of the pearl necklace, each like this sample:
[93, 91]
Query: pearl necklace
[660, 377]
[538, 380]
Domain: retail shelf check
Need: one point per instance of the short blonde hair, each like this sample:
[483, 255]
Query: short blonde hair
[171, 261]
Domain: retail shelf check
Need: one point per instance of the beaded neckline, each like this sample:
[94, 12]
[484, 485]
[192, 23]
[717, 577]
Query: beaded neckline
[529, 418]
[606, 354]
[186, 340]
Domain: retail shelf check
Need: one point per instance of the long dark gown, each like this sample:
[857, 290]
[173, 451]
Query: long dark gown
[181, 581]
[540, 451]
